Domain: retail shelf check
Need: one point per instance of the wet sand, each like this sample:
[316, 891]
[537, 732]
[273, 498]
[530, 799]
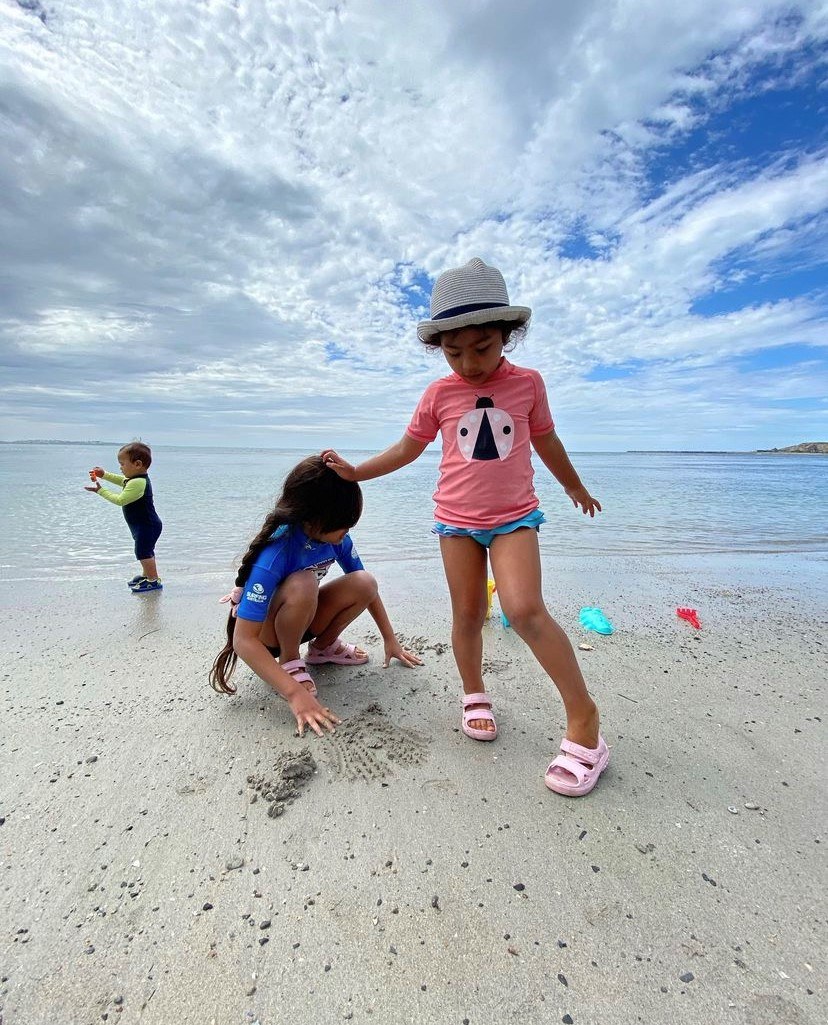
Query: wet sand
[172, 856]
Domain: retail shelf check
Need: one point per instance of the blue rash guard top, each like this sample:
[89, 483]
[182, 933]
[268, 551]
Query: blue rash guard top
[289, 550]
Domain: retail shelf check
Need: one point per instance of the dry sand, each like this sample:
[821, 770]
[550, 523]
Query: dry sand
[174, 857]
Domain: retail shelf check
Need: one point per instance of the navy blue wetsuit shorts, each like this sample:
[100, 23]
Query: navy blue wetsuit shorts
[145, 536]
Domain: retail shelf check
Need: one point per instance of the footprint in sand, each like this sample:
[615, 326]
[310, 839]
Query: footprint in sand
[193, 783]
[291, 773]
[369, 746]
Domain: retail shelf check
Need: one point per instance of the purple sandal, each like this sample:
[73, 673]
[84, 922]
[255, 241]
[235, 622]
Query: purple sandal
[338, 651]
[483, 712]
[575, 771]
[299, 672]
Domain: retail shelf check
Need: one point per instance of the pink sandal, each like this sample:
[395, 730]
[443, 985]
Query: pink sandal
[483, 712]
[338, 652]
[575, 771]
[297, 670]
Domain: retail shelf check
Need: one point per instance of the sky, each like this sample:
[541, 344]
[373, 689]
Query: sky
[220, 220]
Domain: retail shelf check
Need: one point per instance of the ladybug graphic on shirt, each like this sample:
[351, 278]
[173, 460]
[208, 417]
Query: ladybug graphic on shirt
[485, 432]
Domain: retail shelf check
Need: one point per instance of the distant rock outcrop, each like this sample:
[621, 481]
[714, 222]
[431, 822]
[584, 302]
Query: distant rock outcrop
[819, 448]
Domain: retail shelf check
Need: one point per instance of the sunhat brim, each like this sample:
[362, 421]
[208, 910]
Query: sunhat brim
[428, 329]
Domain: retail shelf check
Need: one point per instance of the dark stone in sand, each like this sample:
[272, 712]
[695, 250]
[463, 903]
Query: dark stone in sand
[687, 977]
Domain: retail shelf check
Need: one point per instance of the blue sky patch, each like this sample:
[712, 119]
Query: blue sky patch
[766, 124]
[335, 353]
[762, 288]
[781, 357]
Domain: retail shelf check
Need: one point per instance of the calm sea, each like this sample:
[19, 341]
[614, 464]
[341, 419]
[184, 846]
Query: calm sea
[212, 501]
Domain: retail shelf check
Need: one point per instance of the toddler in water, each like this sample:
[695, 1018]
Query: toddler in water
[279, 602]
[139, 511]
[489, 412]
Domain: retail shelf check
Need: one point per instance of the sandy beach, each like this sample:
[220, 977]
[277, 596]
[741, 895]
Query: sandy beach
[170, 856]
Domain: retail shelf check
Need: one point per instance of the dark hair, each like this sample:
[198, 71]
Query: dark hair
[512, 334]
[138, 452]
[312, 494]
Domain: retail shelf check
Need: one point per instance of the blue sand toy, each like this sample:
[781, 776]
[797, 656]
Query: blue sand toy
[594, 619]
[503, 619]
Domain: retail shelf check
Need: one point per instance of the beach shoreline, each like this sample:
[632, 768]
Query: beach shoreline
[410, 873]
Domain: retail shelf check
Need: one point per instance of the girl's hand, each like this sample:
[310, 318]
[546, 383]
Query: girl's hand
[393, 649]
[92, 487]
[581, 497]
[309, 712]
[96, 471]
[339, 465]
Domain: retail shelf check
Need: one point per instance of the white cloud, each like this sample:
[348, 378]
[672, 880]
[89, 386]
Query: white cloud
[201, 201]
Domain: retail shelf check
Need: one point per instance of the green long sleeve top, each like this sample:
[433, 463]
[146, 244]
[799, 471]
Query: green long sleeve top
[133, 489]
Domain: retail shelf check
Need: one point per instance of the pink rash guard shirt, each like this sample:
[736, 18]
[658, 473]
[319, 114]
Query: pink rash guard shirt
[486, 470]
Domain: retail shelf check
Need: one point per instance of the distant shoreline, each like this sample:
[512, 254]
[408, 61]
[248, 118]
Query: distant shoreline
[818, 448]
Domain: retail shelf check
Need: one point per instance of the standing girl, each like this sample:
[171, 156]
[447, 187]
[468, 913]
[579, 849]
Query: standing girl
[279, 603]
[489, 413]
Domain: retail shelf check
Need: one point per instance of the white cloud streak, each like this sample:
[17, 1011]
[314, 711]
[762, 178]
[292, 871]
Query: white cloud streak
[215, 209]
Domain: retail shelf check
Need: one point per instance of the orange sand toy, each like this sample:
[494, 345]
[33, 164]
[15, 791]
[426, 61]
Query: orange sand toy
[690, 615]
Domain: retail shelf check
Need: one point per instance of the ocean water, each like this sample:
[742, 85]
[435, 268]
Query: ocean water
[212, 501]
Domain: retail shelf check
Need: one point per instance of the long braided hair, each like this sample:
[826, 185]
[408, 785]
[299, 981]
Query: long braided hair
[312, 494]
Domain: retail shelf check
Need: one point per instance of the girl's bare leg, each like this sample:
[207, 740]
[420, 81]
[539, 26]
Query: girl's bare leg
[340, 602]
[465, 565]
[517, 571]
[292, 608]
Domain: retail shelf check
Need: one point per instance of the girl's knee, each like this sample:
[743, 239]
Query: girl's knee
[528, 619]
[363, 586]
[300, 587]
[469, 619]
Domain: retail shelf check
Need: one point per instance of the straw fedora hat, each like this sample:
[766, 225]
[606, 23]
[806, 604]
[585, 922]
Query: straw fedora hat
[472, 294]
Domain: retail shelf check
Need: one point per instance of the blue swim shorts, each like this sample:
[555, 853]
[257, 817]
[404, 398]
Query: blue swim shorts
[485, 537]
[145, 535]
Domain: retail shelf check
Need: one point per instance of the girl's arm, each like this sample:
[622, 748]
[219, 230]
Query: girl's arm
[554, 458]
[305, 707]
[405, 451]
[393, 648]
